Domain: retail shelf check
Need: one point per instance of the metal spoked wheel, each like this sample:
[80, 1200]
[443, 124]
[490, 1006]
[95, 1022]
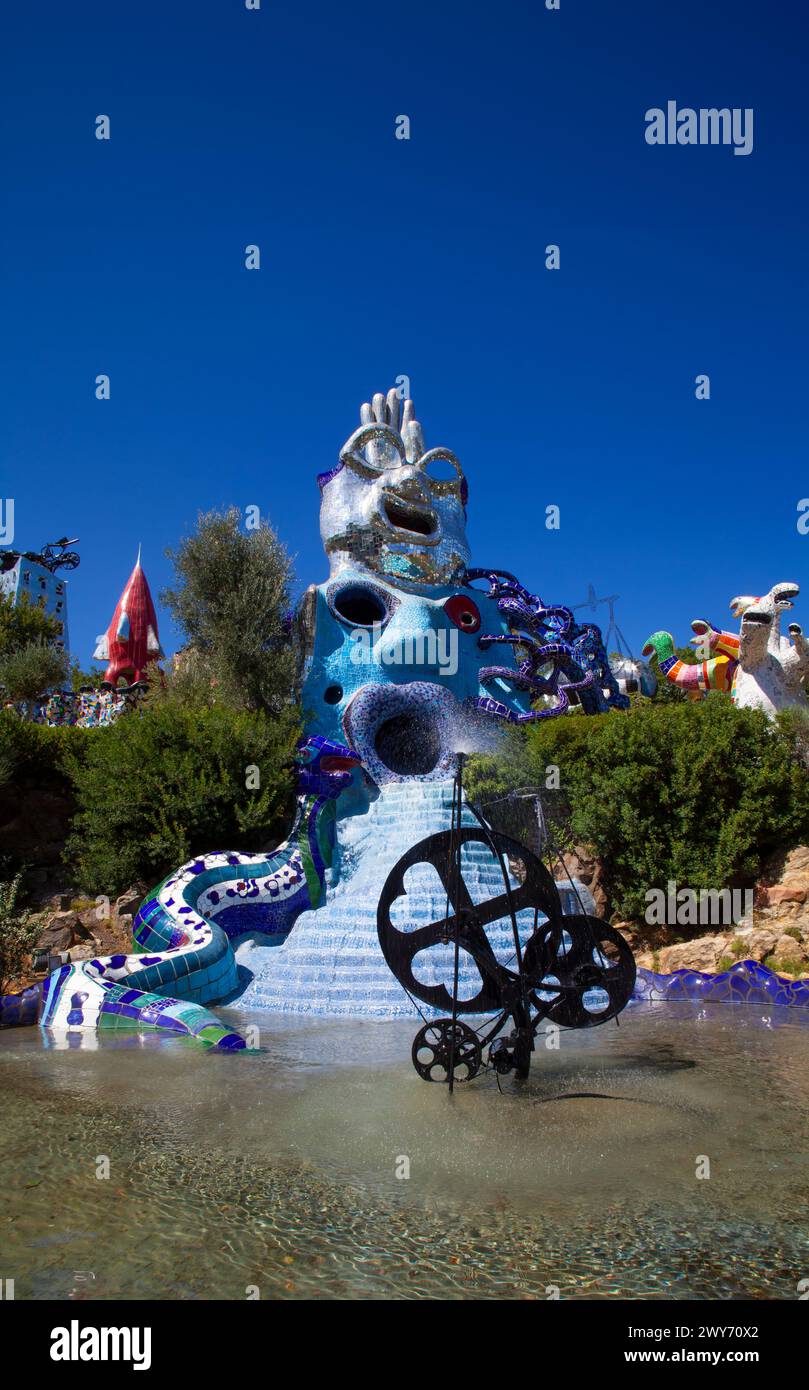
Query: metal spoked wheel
[590, 979]
[443, 1047]
[466, 919]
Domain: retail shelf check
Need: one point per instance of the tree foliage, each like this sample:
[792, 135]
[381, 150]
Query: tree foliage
[230, 600]
[698, 793]
[30, 671]
[24, 622]
[80, 679]
[167, 782]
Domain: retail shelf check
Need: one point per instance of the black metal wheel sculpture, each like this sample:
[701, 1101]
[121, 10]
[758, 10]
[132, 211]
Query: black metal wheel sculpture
[466, 918]
[52, 557]
[446, 1046]
[573, 970]
[590, 977]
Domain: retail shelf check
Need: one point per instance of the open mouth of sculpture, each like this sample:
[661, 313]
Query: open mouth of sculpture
[785, 594]
[408, 517]
[409, 744]
[402, 731]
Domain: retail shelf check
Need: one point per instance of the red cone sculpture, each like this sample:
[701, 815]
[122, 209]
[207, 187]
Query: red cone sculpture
[131, 641]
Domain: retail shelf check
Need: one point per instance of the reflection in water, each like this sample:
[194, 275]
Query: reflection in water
[279, 1167]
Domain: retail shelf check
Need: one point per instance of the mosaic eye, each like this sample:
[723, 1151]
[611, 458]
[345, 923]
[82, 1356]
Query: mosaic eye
[440, 466]
[360, 606]
[463, 612]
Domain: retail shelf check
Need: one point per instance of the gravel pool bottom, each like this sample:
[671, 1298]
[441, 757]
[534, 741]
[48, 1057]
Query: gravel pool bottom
[279, 1171]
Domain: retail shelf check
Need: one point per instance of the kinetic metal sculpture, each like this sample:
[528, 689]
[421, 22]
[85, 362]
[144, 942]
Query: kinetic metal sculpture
[634, 677]
[573, 970]
[52, 557]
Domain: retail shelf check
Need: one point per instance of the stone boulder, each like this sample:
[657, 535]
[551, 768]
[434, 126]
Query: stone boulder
[704, 953]
[785, 879]
[64, 930]
[60, 933]
[787, 892]
[84, 951]
[758, 944]
[789, 951]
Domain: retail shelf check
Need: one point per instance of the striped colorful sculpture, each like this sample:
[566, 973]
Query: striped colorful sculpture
[694, 678]
[757, 667]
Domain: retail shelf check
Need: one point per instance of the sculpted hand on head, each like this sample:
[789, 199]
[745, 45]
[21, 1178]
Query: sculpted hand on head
[391, 507]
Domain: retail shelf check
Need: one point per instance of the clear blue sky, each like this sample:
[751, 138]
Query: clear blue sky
[423, 257]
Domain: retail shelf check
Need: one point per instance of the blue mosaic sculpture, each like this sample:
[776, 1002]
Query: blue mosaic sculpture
[397, 680]
[747, 982]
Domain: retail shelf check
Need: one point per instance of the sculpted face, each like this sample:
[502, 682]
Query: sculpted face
[394, 509]
[392, 641]
[396, 675]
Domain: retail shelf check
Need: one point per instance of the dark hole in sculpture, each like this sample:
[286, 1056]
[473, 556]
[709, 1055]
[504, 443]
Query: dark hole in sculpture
[408, 744]
[333, 695]
[361, 607]
[406, 518]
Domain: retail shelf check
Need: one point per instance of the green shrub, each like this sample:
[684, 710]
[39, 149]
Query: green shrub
[698, 793]
[168, 782]
[35, 752]
[32, 761]
[33, 670]
[794, 724]
[23, 622]
[785, 967]
[18, 931]
[81, 679]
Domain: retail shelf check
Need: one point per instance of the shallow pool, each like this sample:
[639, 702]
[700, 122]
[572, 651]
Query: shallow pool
[279, 1172]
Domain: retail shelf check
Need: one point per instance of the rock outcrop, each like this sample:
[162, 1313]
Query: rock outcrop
[777, 933]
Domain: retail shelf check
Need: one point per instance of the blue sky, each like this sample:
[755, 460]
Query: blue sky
[424, 257]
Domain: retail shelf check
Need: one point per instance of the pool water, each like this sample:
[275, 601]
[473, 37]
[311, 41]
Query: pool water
[282, 1173]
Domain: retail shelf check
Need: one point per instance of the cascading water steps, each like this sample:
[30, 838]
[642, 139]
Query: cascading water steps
[331, 963]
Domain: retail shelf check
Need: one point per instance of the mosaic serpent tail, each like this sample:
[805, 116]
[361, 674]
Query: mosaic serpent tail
[183, 957]
[551, 637]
